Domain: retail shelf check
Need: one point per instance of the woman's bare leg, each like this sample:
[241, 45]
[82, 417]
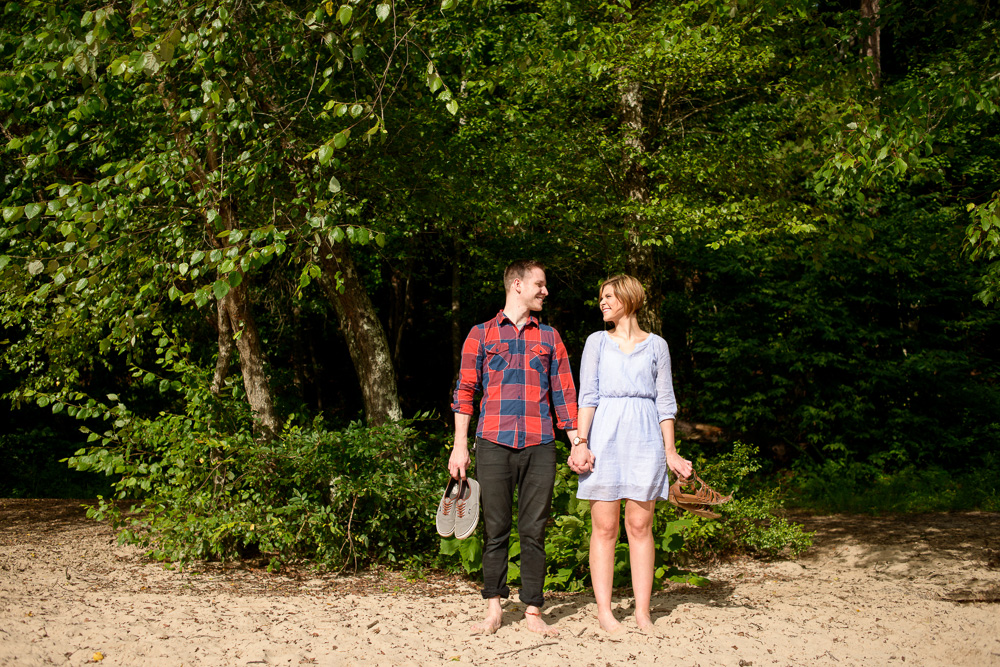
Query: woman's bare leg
[604, 516]
[639, 528]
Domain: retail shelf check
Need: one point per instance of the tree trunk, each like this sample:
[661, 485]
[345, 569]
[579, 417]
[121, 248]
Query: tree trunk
[248, 344]
[640, 260]
[871, 42]
[255, 380]
[366, 339]
[226, 346]
[235, 303]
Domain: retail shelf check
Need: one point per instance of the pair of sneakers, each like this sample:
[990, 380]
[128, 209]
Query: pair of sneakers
[458, 511]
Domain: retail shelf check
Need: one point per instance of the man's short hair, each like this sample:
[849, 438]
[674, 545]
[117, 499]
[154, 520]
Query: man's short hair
[628, 290]
[517, 270]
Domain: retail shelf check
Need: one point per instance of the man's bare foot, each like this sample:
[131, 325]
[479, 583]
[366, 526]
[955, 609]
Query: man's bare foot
[493, 620]
[533, 620]
[609, 623]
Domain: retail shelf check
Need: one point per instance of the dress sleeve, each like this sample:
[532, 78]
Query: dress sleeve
[666, 403]
[589, 387]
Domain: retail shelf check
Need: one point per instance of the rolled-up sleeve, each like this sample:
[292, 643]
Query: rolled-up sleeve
[470, 374]
[666, 402]
[563, 389]
[589, 385]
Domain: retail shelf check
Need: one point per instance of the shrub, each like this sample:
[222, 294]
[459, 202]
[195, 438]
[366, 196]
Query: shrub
[187, 490]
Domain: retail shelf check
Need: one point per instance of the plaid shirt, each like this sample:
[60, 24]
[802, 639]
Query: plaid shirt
[515, 371]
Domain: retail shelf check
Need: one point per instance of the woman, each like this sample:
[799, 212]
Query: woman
[627, 407]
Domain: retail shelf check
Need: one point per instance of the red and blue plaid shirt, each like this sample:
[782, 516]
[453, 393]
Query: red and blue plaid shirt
[516, 370]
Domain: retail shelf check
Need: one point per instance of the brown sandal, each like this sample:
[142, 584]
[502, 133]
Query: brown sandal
[696, 502]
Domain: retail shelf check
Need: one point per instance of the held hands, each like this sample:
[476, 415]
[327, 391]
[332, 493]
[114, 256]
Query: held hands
[581, 459]
[681, 466]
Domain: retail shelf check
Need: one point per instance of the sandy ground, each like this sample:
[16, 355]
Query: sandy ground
[915, 590]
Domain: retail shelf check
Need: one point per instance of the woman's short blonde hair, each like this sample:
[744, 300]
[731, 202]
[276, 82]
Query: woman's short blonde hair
[628, 290]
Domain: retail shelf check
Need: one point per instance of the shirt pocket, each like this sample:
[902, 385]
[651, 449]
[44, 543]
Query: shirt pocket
[540, 358]
[497, 356]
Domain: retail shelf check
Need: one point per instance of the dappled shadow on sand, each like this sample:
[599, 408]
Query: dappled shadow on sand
[41, 515]
[904, 544]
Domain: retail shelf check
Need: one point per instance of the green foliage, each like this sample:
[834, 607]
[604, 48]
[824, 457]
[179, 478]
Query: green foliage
[751, 523]
[190, 490]
[858, 488]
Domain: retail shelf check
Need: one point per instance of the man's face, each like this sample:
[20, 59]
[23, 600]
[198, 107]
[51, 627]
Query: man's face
[533, 291]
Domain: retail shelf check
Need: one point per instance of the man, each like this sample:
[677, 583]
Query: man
[518, 364]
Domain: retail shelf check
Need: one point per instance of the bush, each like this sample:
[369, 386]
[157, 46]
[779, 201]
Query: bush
[857, 487]
[342, 498]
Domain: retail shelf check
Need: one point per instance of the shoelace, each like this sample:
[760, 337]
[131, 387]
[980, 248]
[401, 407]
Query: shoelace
[446, 507]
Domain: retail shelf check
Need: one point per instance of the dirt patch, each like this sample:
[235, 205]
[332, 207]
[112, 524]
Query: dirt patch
[911, 590]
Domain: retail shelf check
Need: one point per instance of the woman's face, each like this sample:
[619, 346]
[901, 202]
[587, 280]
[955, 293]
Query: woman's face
[611, 308]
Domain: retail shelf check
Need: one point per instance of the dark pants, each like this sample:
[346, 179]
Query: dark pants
[532, 471]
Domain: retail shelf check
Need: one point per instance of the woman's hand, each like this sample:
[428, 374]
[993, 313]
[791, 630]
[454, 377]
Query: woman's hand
[581, 459]
[681, 466]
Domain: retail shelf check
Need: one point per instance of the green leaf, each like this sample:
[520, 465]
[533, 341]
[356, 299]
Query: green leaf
[220, 288]
[447, 4]
[35, 267]
[344, 14]
[235, 279]
[33, 210]
[452, 107]
[201, 297]
[197, 256]
[340, 140]
[324, 153]
[382, 11]
[149, 63]
[334, 184]
[12, 213]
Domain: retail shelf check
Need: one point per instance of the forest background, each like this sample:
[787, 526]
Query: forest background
[243, 241]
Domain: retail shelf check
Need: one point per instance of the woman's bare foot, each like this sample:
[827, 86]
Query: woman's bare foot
[609, 623]
[644, 622]
[493, 620]
[533, 620]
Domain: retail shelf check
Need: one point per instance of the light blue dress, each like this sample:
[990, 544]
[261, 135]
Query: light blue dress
[633, 393]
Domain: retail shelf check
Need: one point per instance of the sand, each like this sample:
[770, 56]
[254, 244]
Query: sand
[912, 590]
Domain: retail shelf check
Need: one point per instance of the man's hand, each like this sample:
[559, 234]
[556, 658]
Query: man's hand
[581, 459]
[458, 462]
